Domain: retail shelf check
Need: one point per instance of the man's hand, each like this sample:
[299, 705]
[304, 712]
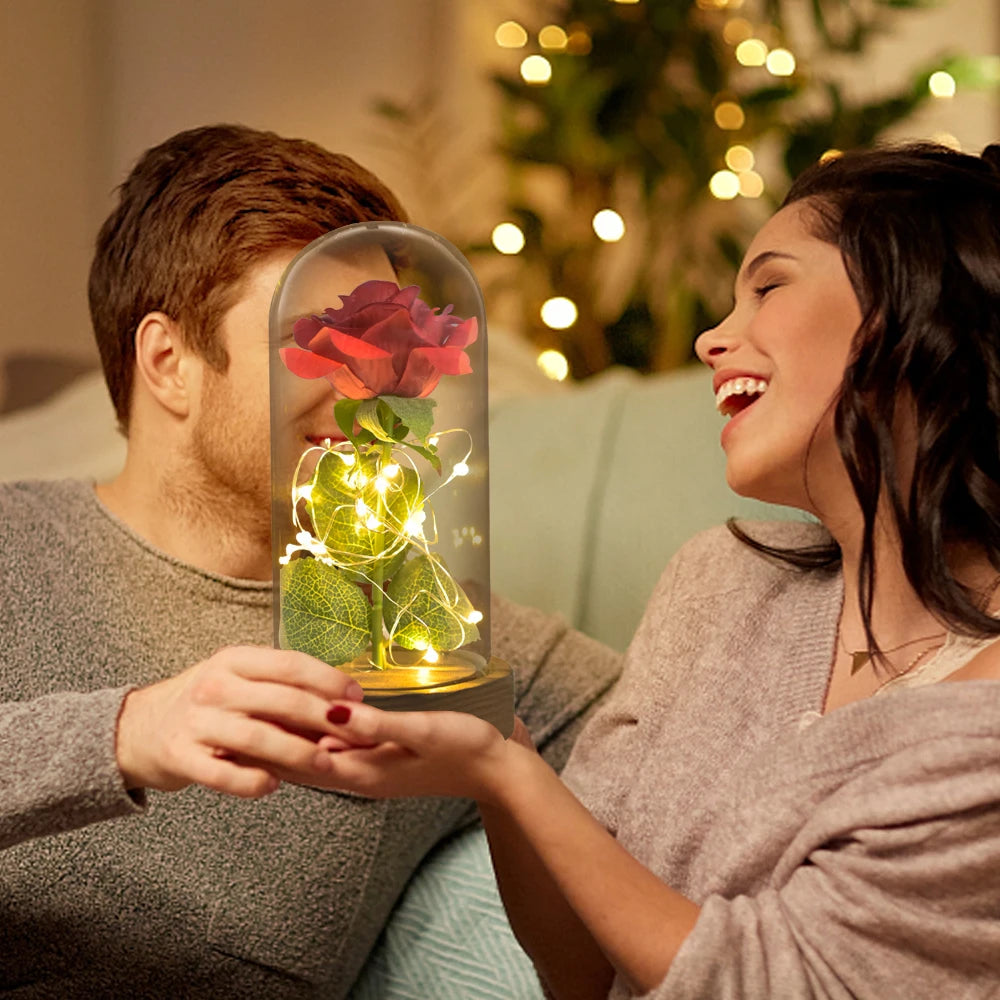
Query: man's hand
[236, 722]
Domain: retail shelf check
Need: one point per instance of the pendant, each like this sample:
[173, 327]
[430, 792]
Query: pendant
[859, 660]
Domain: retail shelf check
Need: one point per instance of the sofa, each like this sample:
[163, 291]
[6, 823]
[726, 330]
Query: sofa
[593, 487]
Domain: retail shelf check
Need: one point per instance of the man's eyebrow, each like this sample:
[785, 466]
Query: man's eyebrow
[760, 260]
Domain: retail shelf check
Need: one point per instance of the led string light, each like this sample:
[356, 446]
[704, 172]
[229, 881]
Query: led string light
[399, 524]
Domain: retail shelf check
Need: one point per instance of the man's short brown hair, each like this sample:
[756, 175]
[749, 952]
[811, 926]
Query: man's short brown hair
[195, 214]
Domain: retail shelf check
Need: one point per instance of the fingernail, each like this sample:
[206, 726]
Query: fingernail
[354, 692]
[338, 714]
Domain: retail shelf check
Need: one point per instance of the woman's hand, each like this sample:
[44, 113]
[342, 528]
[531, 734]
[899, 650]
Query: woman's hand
[388, 754]
[238, 722]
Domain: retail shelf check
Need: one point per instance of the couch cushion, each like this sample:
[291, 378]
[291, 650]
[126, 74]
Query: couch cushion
[448, 938]
[593, 490]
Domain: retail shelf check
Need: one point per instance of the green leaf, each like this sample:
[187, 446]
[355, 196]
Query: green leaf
[426, 607]
[375, 417]
[416, 414]
[344, 412]
[322, 612]
[334, 512]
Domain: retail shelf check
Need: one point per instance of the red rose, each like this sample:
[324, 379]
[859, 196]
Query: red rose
[382, 341]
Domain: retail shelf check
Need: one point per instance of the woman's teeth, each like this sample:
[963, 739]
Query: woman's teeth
[734, 395]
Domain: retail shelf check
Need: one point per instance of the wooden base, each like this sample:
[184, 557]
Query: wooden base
[488, 694]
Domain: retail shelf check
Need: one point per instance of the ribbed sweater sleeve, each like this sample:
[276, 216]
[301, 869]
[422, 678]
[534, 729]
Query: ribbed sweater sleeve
[889, 887]
[57, 764]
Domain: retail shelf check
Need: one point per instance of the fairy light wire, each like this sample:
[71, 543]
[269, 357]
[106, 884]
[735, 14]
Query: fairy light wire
[412, 526]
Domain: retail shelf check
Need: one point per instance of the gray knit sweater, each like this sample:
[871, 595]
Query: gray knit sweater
[191, 894]
[853, 855]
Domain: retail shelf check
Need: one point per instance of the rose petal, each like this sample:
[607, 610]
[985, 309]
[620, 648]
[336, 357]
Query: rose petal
[426, 365]
[349, 385]
[353, 347]
[321, 345]
[378, 375]
[305, 364]
[447, 360]
[364, 294]
[357, 322]
[395, 335]
[305, 329]
[407, 296]
[459, 333]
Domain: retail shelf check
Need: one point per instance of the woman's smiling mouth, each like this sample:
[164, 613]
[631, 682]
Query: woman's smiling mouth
[735, 394]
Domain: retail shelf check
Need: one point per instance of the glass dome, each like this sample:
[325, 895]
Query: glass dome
[380, 469]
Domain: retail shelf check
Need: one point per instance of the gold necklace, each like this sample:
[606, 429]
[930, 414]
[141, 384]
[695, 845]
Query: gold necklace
[861, 658]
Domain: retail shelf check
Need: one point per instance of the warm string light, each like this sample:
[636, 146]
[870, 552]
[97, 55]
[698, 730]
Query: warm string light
[508, 238]
[536, 70]
[736, 30]
[780, 62]
[729, 116]
[554, 365]
[751, 52]
[510, 35]
[608, 225]
[724, 184]
[553, 37]
[739, 179]
[559, 312]
[941, 84]
[399, 522]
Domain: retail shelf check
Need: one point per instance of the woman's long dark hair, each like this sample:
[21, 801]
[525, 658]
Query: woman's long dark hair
[918, 227]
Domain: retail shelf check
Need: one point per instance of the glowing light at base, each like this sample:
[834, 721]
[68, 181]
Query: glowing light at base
[536, 70]
[559, 313]
[724, 185]
[508, 238]
[609, 225]
[830, 154]
[941, 84]
[553, 365]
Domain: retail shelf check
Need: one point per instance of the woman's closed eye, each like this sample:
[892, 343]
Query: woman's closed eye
[761, 290]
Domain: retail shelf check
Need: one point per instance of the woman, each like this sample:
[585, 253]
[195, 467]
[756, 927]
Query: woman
[779, 799]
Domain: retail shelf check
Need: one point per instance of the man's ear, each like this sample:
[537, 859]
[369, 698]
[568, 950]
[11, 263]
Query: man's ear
[164, 364]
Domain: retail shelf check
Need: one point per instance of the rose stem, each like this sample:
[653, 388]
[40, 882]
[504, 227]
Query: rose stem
[378, 644]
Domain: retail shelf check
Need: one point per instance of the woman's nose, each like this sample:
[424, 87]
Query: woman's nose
[712, 344]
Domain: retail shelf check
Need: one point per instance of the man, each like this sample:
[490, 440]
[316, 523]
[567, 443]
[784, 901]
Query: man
[114, 691]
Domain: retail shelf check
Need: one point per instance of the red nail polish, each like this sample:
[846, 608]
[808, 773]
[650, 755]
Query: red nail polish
[338, 714]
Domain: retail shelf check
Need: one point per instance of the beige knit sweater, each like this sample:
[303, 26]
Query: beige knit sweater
[852, 855]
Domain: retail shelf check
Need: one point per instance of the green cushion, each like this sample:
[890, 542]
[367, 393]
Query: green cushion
[448, 938]
[592, 491]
